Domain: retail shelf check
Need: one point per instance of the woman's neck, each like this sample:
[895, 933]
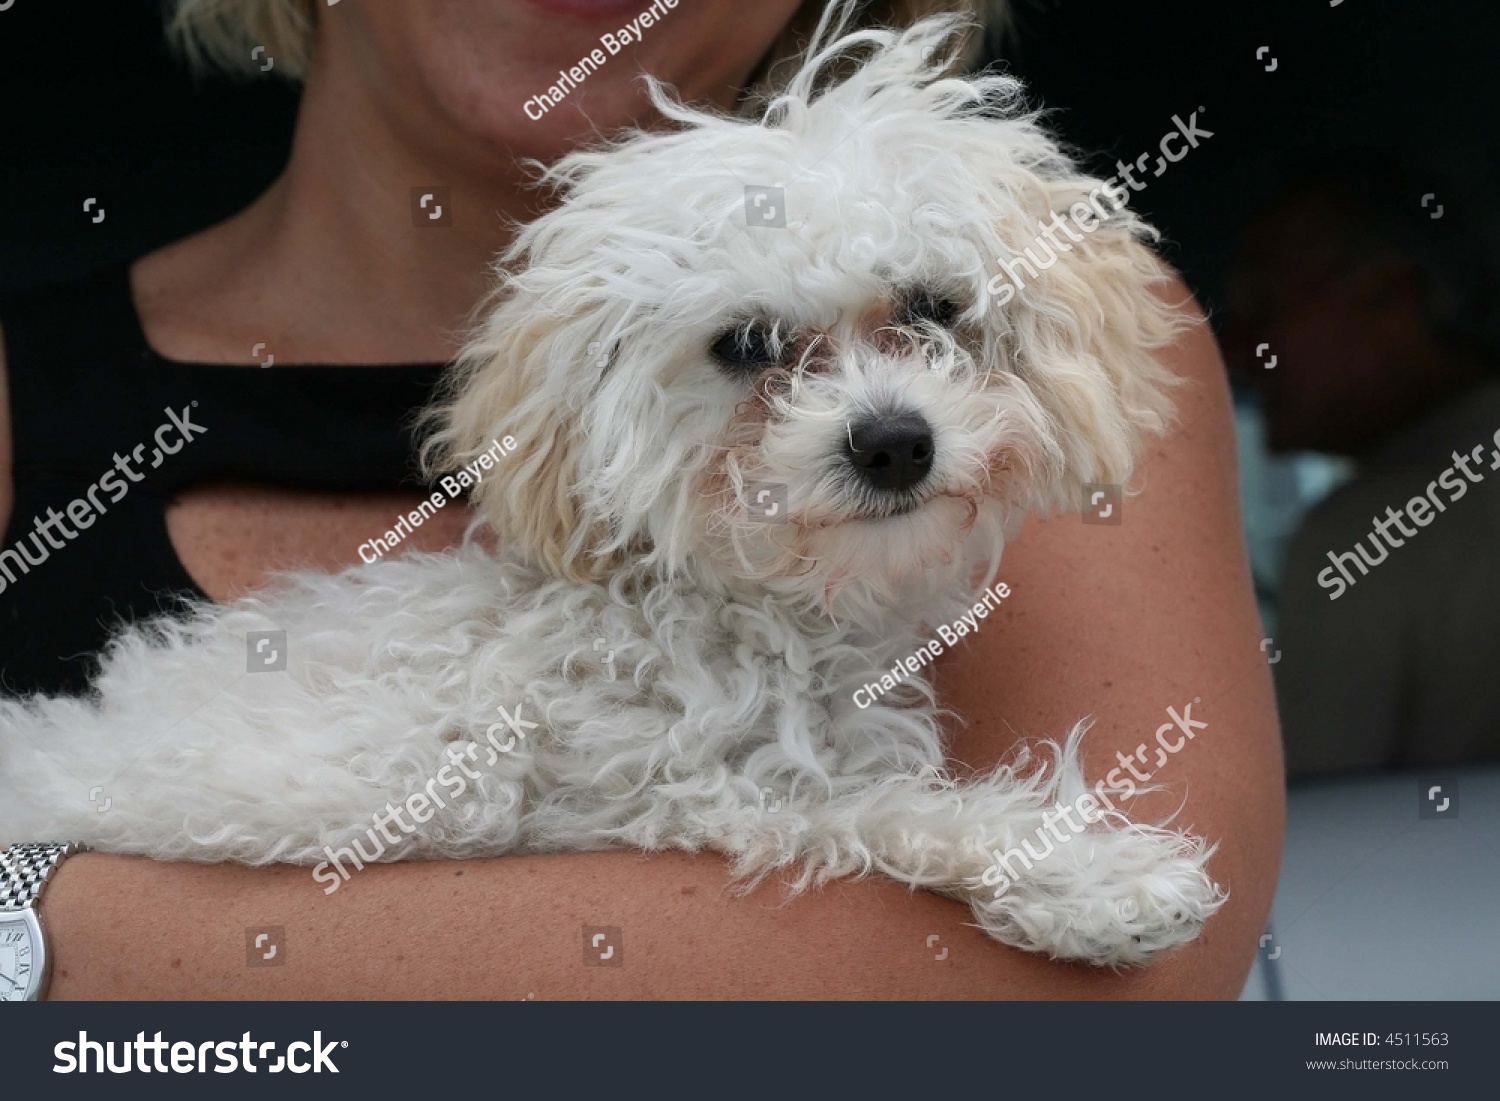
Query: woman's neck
[342, 259]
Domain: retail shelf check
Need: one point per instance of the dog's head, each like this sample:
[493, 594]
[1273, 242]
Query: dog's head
[819, 350]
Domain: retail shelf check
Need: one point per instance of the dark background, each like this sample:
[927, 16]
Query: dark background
[94, 106]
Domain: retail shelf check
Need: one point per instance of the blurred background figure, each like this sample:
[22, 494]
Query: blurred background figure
[1361, 309]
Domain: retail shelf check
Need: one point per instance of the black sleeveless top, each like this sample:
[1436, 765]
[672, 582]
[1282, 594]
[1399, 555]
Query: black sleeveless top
[105, 432]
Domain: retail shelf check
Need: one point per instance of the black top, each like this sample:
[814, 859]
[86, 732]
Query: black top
[106, 432]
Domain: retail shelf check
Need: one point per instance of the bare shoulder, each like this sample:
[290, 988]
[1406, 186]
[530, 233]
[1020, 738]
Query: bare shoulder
[190, 302]
[1148, 626]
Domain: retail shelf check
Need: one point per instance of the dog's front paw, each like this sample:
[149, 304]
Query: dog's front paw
[1112, 899]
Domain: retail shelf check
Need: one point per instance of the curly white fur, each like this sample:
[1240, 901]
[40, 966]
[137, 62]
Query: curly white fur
[726, 719]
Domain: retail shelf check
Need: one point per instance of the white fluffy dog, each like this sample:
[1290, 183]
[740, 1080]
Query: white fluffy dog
[755, 465]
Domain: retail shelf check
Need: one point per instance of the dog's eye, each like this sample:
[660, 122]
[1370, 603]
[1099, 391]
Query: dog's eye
[925, 306]
[746, 348]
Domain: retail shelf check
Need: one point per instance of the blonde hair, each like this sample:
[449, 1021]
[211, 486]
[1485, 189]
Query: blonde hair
[224, 34]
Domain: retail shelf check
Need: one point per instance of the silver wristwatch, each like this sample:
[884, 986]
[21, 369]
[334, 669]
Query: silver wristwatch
[24, 964]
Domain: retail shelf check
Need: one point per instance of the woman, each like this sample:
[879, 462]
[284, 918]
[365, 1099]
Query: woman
[410, 108]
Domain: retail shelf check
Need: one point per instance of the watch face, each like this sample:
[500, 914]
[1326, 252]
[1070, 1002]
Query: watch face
[21, 957]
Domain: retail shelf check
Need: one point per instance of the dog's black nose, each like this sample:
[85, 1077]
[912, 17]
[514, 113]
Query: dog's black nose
[892, 452]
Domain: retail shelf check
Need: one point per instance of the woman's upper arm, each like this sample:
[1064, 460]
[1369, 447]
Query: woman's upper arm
[1134, 624]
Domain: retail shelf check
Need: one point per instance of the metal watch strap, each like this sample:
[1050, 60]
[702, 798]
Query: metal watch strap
[24, 870]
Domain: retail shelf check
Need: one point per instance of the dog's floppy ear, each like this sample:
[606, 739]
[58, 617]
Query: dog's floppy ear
[524, 373]
[1083, 324]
